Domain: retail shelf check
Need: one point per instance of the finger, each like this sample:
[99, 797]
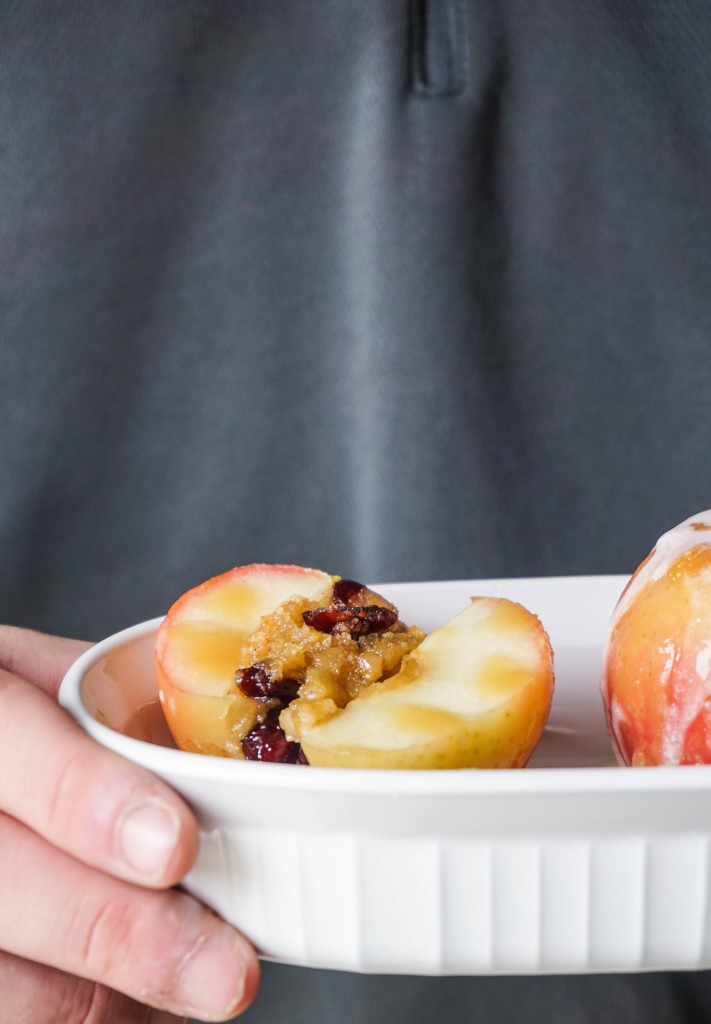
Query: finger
[86, 799]
[35, 994]
[163, 948]
[38, 657]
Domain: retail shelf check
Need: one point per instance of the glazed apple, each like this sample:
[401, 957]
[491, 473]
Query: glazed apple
[282, 663]
[656, 684]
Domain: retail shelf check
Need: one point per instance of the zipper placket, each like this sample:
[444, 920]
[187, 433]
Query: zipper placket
[438, 50]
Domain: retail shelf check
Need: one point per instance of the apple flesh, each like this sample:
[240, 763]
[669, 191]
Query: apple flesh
[656, 684]
[475, 693]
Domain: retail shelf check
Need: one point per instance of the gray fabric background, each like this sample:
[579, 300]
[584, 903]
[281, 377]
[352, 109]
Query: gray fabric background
[260, 299]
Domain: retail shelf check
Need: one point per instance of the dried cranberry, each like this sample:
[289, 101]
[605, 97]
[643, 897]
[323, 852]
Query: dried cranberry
[357, 621]
[267, 742]
[345, 590]
[256, 682]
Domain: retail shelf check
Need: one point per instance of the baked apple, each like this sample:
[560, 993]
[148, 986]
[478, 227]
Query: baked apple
[282, 663]
[656, 684]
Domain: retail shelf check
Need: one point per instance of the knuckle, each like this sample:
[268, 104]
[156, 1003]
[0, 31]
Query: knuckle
[138, 941]
[63, 998]
[108, 936]
[56, 793]
[86, 1004]
[65, 793]
[93, 1003]
[35, 993]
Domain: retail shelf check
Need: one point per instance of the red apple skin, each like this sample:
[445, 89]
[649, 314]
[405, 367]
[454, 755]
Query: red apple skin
[656, 683]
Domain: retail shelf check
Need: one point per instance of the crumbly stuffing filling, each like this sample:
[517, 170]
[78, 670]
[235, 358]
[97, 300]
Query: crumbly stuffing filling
[306, 662]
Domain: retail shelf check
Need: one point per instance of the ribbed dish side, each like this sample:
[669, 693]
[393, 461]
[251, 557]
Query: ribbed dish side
[368, 903]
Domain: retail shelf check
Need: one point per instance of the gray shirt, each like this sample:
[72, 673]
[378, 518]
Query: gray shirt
[399, 290]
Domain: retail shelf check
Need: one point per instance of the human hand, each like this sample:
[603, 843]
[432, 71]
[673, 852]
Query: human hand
[89, 845]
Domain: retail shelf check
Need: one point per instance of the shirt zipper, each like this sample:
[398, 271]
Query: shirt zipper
[437, 47]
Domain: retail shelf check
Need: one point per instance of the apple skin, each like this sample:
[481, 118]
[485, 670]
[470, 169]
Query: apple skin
[656, 683]
[199, 647]
[476, 693]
